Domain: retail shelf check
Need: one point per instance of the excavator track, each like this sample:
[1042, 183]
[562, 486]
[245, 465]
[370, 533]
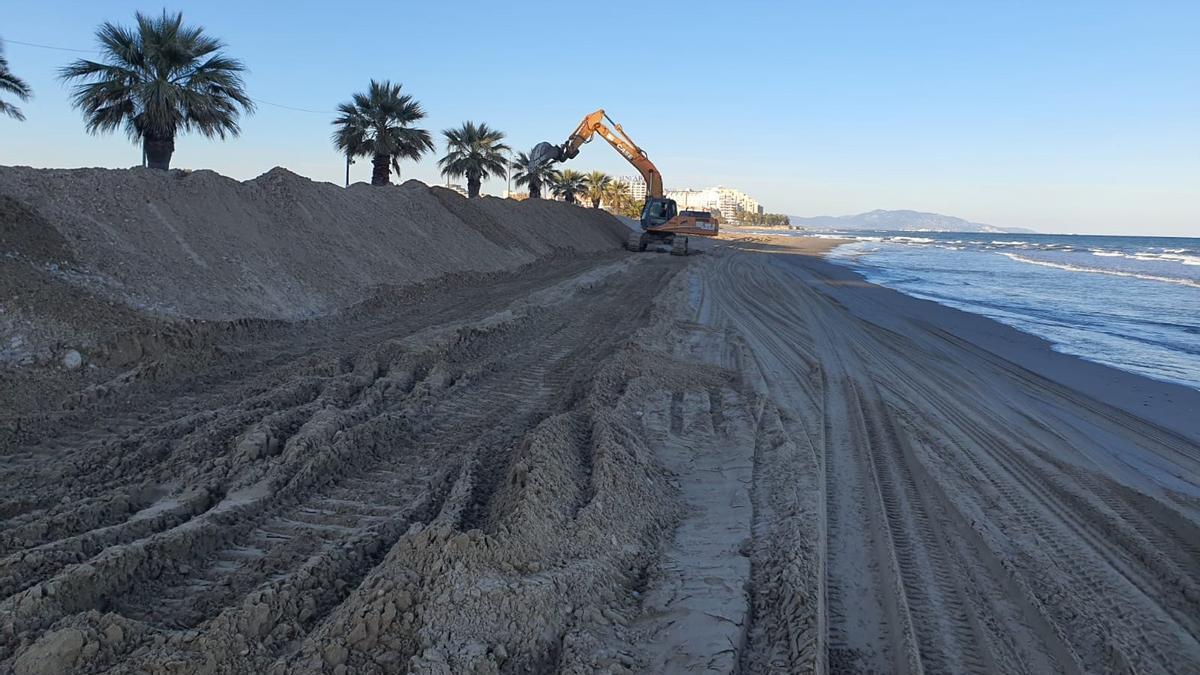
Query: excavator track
[636, 242]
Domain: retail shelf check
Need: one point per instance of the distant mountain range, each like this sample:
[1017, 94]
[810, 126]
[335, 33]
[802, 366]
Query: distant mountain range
[905, 221]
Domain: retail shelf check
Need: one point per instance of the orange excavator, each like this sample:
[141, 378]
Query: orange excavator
[662, 223]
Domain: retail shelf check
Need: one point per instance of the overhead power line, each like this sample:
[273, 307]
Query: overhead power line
[94, 51]
[60, 49]
[288, 107]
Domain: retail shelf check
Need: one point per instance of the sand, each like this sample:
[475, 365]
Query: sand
[574, 460]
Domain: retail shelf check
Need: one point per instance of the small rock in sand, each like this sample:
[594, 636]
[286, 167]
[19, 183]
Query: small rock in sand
[72, 360]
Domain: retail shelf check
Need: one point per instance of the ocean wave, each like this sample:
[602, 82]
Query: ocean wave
[1097, 270]
[1191, 260]
[1090, 311]
[914, 240]
[1024, 245]
[1185, 259]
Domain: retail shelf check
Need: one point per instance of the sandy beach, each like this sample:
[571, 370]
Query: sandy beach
[709, 339]
[573, 460]
[939, 448]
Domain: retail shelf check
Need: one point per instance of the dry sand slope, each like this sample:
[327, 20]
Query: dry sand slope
[597, 463]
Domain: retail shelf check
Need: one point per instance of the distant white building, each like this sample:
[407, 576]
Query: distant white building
[699, 200]
[457, 188]
[728, 202]
[637, 186]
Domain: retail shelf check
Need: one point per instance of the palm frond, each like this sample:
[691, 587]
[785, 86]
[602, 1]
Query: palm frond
[567, 183]
[474, 150]
[14, 85]
[379, 122]
[157, 78]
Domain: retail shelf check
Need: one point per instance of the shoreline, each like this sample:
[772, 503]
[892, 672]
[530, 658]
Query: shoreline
[924, 465]
[1172, 406]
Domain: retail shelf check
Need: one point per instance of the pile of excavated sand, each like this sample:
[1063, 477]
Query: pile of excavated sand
[281, 246]
[86, 247]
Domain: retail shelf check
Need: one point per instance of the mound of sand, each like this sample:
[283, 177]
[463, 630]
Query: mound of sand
[280, 246]
[86, 246]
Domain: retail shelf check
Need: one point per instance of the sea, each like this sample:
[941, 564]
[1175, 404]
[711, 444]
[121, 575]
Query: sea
[1128, 302]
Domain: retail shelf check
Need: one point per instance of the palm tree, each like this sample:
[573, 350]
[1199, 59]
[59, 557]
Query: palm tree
[156, 79]
[13, 85]
[614, 189]
[377, 124]
[474, 151]
[568, 183]
[616, 196]
[596, 181]
[533, 176]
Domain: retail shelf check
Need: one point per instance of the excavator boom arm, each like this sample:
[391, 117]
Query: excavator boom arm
[661, 218]
[594, 124]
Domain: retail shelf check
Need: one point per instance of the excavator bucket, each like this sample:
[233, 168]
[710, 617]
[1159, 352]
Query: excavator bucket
[543, 153]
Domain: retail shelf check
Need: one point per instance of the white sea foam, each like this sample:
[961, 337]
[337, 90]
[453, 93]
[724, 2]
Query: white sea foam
[1150, 257]
[1185, 259]
[1146, 330]
[1096, 270]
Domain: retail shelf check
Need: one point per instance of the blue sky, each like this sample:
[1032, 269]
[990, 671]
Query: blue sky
[1060, 116]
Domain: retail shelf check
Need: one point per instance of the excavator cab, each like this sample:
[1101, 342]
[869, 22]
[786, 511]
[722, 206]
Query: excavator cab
[657, 211]
[660, 222]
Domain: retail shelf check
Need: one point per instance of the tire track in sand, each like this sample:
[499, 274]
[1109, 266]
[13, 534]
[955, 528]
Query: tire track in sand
[908, 585]
[385, 464]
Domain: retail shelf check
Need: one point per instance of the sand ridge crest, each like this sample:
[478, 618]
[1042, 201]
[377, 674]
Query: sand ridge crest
[201, 245]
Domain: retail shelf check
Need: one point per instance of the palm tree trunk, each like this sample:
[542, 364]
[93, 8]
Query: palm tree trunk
[535, 188]
[473, 184]
[595, 202]
[381, 170]
[158, 151]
